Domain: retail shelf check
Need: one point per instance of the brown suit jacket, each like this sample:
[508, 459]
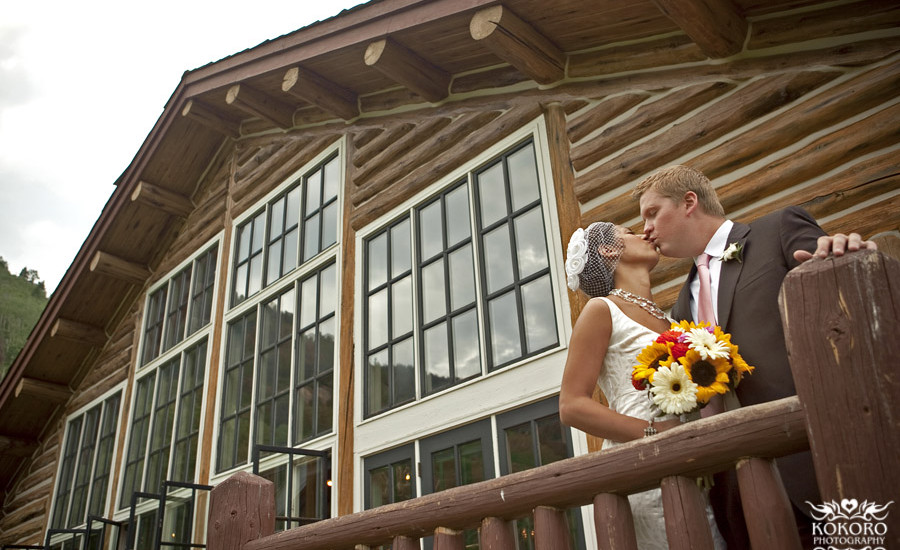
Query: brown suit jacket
[748, 309]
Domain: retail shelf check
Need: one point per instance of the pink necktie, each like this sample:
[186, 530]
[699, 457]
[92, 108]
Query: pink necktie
[705, 311]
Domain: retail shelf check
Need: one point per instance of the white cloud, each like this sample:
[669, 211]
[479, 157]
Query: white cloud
[82, 84]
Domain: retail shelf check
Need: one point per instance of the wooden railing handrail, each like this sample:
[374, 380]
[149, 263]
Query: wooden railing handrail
[768, 430]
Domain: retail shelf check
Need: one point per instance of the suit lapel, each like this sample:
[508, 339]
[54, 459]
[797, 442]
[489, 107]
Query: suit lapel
[731, 271]
[681, 311]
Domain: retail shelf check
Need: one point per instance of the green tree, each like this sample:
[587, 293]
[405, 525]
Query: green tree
[22, 300]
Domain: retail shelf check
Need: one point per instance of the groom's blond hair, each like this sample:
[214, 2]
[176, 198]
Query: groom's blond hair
[673, 182]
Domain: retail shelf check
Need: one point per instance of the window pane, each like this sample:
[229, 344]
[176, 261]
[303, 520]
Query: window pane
[531, 247]
[431, 236]
[523, 177]
[443, 465]
[400, 249]
[467, 356]
[552, 439]
[308, 301]
[540, 321]
[404, 373]
[401, 307]
[276, 217]
[292, 208]
[311, 237]
[376, 256]
[491, 192]
[520, 448]
[462, 278]
[331, 179]
[403, 484]
[437, 362]
[380, 486]
[471, 462]
[328, 291]
[504, 323]
[458, 225]
[434, 297]
[329, 225]
[498, 256]
[378, 388]
[313, 191]
[378, 319]
[326, 398]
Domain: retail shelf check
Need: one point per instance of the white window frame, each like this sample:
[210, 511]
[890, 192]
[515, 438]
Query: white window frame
[529, 379]
[328, 255]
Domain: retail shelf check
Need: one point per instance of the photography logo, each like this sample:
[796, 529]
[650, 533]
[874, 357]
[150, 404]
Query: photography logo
[849, 525]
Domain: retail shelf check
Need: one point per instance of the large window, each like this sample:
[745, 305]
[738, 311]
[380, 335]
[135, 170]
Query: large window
[278, 365]
[82, 486]
[290, 229]
[167, 405]
[459, 285]
[278, 386]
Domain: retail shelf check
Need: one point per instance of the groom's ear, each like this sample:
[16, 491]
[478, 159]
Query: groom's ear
[690, 202]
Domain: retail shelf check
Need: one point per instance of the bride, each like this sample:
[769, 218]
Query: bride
[612, 265]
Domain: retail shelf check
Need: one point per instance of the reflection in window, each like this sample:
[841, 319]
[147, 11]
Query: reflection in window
[516, 278]
[436, 316]
[390, 477]
[291, 229]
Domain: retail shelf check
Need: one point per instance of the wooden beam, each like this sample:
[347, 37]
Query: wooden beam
[104, 263]
[162, 199]
[319, 91]
[47, 391]
[405, 67]
[78, 331]
[256, 103]
[714, 25]
[212, 118]
[14, 446]
[519, 44]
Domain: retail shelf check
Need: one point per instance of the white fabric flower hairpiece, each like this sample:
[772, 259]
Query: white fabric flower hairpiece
[576, 258]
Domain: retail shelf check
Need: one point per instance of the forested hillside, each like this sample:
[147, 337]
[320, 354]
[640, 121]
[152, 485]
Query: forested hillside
[22, 299]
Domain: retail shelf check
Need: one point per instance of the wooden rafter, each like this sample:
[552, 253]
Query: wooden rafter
[319, 91]
[405, 67]
[715, 26]
[48, 391]
[213, 119]
[113, 266]
[518, 43]
[256, 103]
[78, 331]
[14, 446]
[156, 197]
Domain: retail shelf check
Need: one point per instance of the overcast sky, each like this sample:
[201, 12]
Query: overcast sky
[81, 85]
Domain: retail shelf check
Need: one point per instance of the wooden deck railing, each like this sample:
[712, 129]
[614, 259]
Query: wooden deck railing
[841, 320]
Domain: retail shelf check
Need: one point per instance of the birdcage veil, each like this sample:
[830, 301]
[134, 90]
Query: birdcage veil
[586, 268]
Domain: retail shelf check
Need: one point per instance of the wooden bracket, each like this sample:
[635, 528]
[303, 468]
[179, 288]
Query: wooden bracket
[104, 263]
[212, 118]
[256, 103]
[319, 91]
[78, 331]
[714, 25]
[405, 67]
[162, 199]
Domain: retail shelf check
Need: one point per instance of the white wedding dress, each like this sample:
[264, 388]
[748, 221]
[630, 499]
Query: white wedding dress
[627, 340]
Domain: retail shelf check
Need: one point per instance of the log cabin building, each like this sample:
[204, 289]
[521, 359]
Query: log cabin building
[337, 258]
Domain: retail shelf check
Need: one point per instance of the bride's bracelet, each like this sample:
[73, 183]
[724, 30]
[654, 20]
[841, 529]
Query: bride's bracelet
[650, 430]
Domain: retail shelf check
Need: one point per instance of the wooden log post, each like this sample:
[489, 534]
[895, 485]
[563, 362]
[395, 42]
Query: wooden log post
[767, 509]
[496, 534]
[614, 522]
[551, 530]
[241, 509]
[401, 542]
[684, 507]
[449, 539]
[841, 319]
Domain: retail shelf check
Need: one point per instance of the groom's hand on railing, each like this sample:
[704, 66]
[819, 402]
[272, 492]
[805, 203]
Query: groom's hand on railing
[836, 244]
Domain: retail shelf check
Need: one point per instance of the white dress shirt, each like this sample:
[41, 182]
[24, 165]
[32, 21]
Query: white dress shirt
[715, 248]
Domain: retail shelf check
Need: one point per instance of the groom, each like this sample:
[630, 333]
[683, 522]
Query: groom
[747, 264]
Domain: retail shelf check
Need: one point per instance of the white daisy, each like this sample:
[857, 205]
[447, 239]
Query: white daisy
[673, 391]
[706, 344]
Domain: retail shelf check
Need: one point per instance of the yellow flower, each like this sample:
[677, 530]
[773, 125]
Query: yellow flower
[649, 359]
[710, 375]
[739, 366]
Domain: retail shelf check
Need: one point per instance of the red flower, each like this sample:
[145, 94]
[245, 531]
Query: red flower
[639, 385]
[678, 349]
[668, 336]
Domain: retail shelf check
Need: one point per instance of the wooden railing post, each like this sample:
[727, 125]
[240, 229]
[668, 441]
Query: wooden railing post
[687, 524]
[449, 539]
[614, 522]
[767, 509]
[241, 509]
[841, 324]
[496, 534]
[551, 530]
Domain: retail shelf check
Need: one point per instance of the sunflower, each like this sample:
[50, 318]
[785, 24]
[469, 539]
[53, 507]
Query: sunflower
[673, 391]
[710, 375]
[739, 366]
[649, 360]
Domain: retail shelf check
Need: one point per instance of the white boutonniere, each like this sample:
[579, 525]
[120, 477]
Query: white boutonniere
[735, 251]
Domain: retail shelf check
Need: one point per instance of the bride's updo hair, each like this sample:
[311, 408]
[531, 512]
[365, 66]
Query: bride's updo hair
[586, 268]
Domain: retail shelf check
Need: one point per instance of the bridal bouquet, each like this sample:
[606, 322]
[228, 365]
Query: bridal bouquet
[687, 365]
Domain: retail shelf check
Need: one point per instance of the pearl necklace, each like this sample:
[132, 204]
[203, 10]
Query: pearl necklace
[643, 303]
